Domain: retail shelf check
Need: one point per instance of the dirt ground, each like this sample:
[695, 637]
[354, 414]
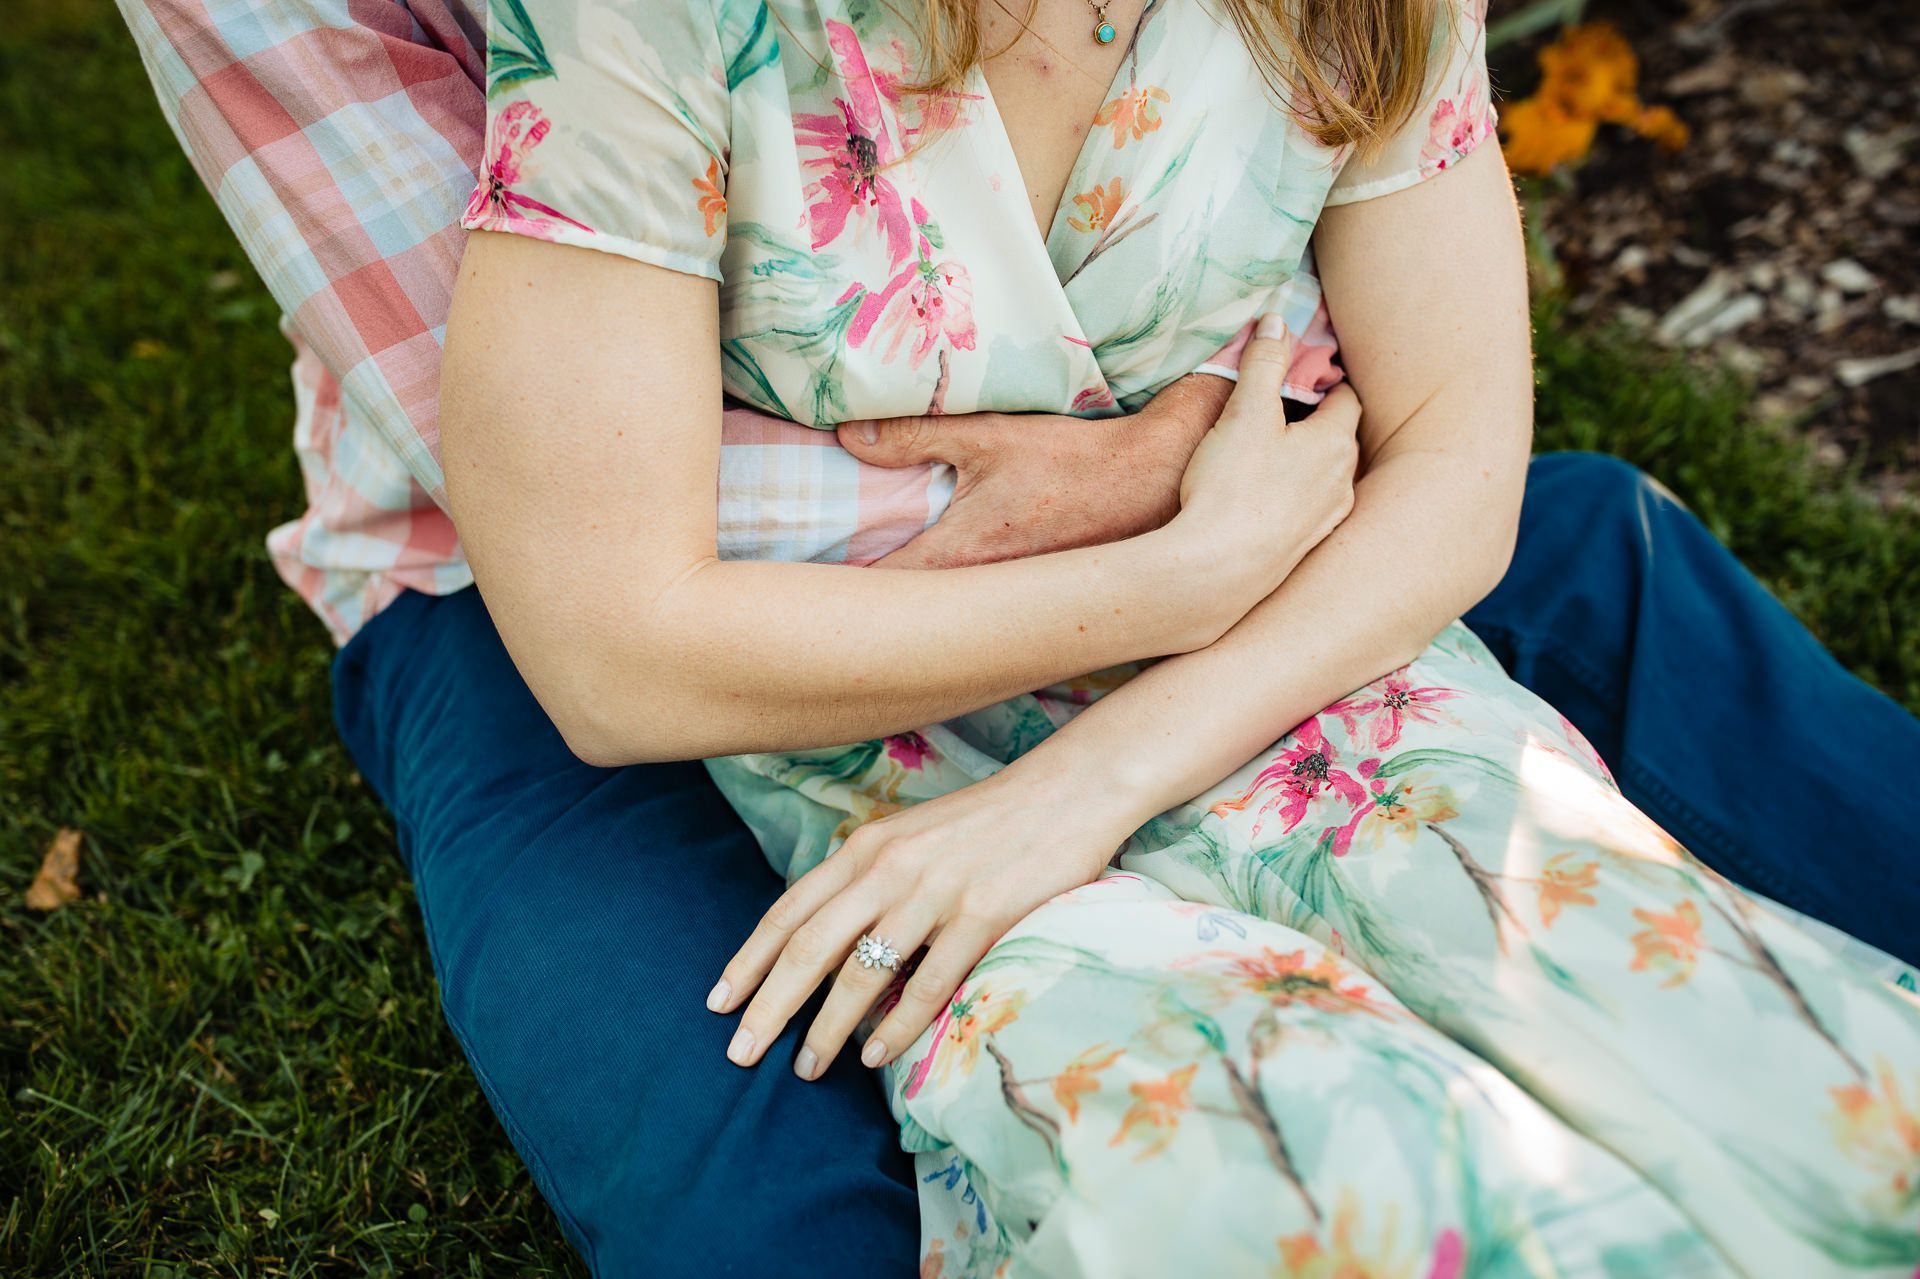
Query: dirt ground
[1784, 240]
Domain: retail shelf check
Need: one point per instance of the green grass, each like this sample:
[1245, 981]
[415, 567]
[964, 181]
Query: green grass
[227, 1058]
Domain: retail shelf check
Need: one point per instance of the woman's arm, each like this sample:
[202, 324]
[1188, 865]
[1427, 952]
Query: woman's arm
[579, 397]
[1434, 332]
[1434, 335]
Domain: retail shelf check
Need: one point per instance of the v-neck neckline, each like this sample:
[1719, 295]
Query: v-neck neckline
[1124, 76]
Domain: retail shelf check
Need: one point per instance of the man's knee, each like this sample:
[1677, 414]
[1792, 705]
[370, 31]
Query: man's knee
[1589, 504]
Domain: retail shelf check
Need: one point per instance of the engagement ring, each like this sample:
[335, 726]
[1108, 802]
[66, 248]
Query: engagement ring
[872, 952]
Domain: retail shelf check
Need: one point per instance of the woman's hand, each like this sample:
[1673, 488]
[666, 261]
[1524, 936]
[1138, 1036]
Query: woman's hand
[1261, 486]
[954, 874]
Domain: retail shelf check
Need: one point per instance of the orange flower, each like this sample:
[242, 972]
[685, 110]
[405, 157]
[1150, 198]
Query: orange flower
[1564, 884]
[1591, 71]
[1668, 941]
[1286, 980]
[1589, 76]
[713, 204]
[1873, 1125]
[1099, 207]
[1078, 1078]
[1662, 127]
[1541, 136]
[1157, 1104]
[1132, 113]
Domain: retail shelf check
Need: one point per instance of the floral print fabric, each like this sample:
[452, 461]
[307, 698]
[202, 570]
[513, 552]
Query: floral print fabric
[875, 249]
[1415, 993]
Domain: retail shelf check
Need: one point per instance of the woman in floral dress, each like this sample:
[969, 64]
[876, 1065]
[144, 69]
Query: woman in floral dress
[1414, 990]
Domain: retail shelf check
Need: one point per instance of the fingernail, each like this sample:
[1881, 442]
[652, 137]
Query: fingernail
[741, 1047]
[717, 997]
[869, 432]
[874, 1053]
[806, 1063]
[1272, 325]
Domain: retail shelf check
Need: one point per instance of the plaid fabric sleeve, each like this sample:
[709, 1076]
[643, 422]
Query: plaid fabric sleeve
[342, 139]
[338, 138]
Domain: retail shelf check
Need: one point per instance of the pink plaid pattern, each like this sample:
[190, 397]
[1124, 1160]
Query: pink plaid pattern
[341, 139]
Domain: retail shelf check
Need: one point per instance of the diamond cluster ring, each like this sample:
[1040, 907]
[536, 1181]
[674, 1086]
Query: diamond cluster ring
[873, 952]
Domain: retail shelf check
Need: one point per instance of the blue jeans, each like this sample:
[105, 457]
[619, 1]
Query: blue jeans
[578, 915]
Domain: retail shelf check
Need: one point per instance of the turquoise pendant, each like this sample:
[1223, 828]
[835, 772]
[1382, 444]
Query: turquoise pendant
[1104, 33]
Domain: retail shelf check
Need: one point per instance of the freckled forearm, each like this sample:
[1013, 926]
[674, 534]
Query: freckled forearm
[755, 656]
[1429, 534]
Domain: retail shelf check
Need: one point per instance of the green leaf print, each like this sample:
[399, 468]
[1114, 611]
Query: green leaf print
[1558, 974]
[761, 49]
[1813, 1209]
[1306, 864]
[515, 53]
[842, 765]
[734, 356]
[1407, 761]
[784, 281]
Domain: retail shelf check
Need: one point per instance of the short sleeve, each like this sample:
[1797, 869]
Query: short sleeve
[607, 128]
[1455, 114]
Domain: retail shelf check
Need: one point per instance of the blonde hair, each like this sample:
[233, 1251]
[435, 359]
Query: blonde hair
[1352, 71]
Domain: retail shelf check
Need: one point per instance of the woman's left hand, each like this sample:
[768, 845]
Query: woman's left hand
[953, 874]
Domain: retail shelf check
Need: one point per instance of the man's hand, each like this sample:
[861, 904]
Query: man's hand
[1029, 483]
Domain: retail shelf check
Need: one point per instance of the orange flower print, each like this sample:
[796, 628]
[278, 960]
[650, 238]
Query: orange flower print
[713, 204]
[1286, 980]
[1670, 942]
[1098, 207]
[960, 1031]
[1157, 1105]
[1132, 114]
[1078, 1077]
[1340, 1249]
[1874, 1125]
[1562, 883]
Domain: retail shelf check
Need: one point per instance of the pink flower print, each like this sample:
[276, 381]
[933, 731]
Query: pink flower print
[1456, 127]
[511, 136]
[927, 302]
[1298, 776]
[909, 750]
[853, 150]
[1449, 1255]
[1389, 704]
[1093, 398]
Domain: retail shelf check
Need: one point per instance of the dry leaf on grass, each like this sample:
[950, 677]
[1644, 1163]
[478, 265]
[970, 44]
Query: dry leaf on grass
[58, 880]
